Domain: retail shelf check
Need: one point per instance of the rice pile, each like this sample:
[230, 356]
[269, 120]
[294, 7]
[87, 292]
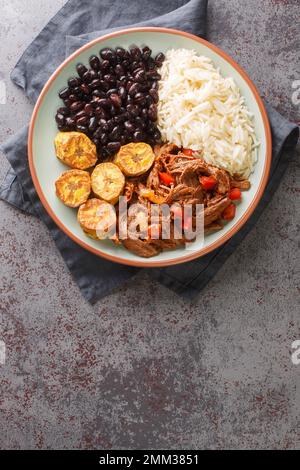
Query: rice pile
[201, 110]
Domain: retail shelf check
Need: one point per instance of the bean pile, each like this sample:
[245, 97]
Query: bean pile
[114, 102]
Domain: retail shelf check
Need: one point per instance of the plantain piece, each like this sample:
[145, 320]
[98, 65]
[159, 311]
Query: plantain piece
[134, 159]
[75, 150]
[97, 218]
[73, 187]
[108, 182]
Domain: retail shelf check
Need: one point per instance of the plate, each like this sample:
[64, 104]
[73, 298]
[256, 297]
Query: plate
[46, 168]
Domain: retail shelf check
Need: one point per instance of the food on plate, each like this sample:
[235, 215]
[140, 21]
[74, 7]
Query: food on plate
[134, 159]
[199, 109]
[108, 182]
[189, 175]
[73, 187]
[169, 131]
[96, 218]
[75, 149]
[114, 100]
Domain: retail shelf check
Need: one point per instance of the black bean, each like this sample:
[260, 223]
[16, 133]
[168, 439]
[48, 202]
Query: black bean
[107, 54]
[100, 113]
[140, 122]
[81, 128]
[153, 93]
[113, 147]
[111, 91]
[97, 133]
[140, 99]
[135, 52]
[67, 103]
[138, 136]
[112, 110]
[103, 125]
[129, 126]
[154, 85]
[140, 76]
[134, 89]
[129, 84]
[76, 106]
[128, 100]
[87, 77]
[74, 82]
[115, 133]
[122, 80]
[80, 114]
[63, 94]
[149, 100]
[64, 111]
[95, 83]
[120, 52]
[88, 109]
[119, 70]
[92, 124]
[134, 66]
[104, 85]
[103, 138]
[126, 64]
[120, 118]
[95, 62]
[105, 65]
[70, 122]
[152, 112]
[122, 92]
[116, 100]
[109, 78]
[146, 52]
[81, 69]
[82, 121]
[133, 110]
[160, 58]
[85, 88]
[110, 124]
[104, 103]
[144, 113]
[60, 119]
[123, 139]
[99, 93]
[153, 74]
[78, 92]
[93, 74]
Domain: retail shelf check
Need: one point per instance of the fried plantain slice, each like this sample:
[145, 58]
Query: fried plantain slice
[75, 150]
[97, 218]
[134, 159]
[108, 182]
[73, 187]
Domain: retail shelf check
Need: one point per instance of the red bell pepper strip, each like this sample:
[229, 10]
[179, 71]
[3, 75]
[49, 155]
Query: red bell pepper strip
[229, 212]
[208, 182]
[166, 178]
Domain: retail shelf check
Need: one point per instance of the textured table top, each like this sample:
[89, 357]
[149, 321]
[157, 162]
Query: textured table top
[143, 368]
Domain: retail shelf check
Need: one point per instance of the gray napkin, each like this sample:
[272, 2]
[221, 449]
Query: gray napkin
[76, 23]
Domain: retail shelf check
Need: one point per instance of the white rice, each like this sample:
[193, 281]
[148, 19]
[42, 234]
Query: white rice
[201, 110]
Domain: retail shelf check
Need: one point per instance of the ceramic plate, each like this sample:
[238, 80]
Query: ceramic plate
[46, 168]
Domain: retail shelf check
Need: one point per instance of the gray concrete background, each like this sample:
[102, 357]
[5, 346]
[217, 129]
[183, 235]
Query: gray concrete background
[143, 368]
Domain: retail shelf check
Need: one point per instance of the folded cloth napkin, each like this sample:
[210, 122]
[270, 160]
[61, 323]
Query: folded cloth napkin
[76, 23]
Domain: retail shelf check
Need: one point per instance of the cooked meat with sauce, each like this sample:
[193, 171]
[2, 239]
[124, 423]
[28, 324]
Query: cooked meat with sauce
[177, 177]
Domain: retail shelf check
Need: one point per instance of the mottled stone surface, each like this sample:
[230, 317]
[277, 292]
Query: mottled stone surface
[143, 368]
